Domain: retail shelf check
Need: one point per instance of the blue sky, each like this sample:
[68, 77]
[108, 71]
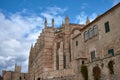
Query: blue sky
[21, 22]
[72, 8]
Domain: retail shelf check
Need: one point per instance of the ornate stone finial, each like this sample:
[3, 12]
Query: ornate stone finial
[15, 64]
[63, 23]
[66, 20]
[45, 23]
[52, 22]
[31, 45]
[87, 21]
[31, 48]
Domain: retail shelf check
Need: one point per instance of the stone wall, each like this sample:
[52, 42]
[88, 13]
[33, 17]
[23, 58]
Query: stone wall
[58, 73]
[14, 75]
[64, 49]
[63, 78]
[100, 43]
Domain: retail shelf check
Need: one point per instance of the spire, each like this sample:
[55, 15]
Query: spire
[87, 21]
[45, 23]
[31, 49]
[63, 23]
[52, 22]
[15, 64]
[66, 20]
[31, 46]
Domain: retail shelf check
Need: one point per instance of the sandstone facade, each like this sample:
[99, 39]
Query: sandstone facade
[98, 44]
[59, 53]
[50, 56]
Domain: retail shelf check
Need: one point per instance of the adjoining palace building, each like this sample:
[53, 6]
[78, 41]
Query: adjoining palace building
[77, 51]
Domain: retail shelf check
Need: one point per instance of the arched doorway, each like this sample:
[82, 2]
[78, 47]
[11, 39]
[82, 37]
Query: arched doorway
[96, 72]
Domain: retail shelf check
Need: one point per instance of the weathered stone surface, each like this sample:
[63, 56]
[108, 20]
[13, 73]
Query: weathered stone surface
[14, 75]
[59, 53]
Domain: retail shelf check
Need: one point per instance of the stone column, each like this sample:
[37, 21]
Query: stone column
[67, 54]
[54, 56]
[61, 56]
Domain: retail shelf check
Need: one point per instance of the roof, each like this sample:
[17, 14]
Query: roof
[101, 16]
[77, 24]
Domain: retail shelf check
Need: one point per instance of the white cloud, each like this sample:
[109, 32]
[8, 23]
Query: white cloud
[84, 5]
[54, 12]
[115, 2]
[18, 32]
[81, 18]
[93, 16]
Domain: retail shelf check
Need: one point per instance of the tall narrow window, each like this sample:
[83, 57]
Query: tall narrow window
[90, 33]
[107, 27]
[24, 76]
[64, 62]
[58, 45]
[83, 62]
[38, 79]
[95, 28]
[111, 51]
[85, 35]
[70, 50]
[76, 43]
[20, 77]
[92, 55]
[57, 61]
[57, 56]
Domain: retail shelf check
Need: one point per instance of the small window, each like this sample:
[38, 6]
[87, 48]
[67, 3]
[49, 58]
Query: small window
[24, 77]
[107, 27]
[93, 55]
[85, 35]
[20, 78]
[58, 45]
[95, 30]
[83, 62]
[76, 43]
[38, 79]
[90, 33]
[111, 51]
